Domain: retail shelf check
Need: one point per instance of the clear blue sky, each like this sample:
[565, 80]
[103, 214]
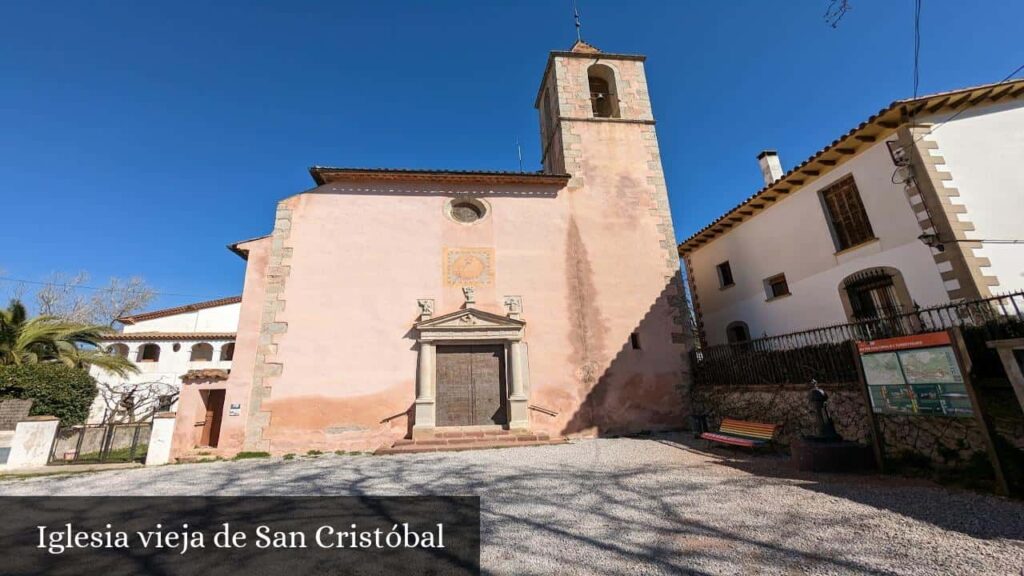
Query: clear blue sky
[139, 138]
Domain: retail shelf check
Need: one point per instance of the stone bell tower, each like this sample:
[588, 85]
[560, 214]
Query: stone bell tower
[597, 126]
[596, 123]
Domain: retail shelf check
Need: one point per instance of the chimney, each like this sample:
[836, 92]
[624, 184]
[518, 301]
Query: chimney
[771, 168]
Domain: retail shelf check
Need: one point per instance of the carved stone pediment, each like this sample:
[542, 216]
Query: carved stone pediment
[470, 324]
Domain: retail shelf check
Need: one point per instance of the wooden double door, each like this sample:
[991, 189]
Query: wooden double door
[471, 385]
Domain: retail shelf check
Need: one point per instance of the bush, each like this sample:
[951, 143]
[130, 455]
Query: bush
[55, 389]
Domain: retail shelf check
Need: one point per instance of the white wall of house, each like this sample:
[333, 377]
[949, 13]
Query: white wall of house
[216, 319]
[793, 237]
[166, 372]
[983, 149]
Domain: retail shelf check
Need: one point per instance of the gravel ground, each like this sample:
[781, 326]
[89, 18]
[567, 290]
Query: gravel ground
[638, 506]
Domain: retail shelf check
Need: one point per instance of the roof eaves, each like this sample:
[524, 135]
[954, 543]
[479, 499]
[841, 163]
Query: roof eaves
[164, 312]
[888, 119]
[243, 253]
[324, 174]
[139, 336]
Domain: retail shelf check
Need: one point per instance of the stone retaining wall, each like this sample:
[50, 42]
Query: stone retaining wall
[941, 441]
[12, 411]
[784, 404]
[946, 442]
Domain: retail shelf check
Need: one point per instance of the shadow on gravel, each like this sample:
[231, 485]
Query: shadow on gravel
[974, 514]
[584, 516]
[526, 510]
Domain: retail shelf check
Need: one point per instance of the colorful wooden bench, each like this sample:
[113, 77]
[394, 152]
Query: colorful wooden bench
[742, 433]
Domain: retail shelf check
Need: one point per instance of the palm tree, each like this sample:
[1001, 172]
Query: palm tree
[26, 340]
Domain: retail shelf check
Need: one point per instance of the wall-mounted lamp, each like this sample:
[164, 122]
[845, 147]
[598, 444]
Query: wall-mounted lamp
[897, 153]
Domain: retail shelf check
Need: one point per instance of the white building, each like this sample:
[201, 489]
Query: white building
[171, 348]
[921, 204]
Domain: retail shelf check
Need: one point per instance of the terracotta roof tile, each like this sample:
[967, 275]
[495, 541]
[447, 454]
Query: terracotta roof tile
[206, 374]
[139, 336]
[179, 310]
[236, 247]
[582, 47]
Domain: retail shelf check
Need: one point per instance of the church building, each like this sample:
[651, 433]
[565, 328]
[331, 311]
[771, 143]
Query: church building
[408, 306]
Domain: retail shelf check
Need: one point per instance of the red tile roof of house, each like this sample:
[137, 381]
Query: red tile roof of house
[874, 129]
[179, 310]
[139, 336]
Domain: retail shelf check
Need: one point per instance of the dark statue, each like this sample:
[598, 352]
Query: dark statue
[825, 430]
[825, 450]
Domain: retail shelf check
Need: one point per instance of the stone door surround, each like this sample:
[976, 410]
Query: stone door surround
[470, 326]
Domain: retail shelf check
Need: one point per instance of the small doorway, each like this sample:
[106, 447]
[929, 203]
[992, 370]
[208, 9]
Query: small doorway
[213, 402]
[471, 388]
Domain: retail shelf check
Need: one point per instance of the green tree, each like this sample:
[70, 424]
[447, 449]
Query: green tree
[48, 339]
[54, 388]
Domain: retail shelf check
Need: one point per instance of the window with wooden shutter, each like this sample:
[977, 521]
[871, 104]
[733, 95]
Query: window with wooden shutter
[776, 286]
[846, 214]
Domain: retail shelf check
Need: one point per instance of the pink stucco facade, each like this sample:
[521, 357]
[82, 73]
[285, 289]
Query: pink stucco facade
[191, 403]
[327, 355]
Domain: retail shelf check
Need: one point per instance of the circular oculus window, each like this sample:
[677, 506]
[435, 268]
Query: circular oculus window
[466, 210]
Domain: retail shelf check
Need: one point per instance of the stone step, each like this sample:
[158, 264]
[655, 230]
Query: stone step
[459, 444]
[463, 432]
[473, 437]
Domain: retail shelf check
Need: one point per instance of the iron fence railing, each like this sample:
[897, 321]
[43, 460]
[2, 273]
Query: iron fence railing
[101, 443]
[824, 354]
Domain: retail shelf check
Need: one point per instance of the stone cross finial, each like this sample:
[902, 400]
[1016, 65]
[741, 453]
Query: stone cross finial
[470, 293]
[426, 308]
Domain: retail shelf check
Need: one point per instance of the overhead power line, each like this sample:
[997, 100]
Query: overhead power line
[84, 287]
[938, 125]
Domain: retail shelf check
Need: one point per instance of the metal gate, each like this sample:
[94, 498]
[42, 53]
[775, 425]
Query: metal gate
[101, 443]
